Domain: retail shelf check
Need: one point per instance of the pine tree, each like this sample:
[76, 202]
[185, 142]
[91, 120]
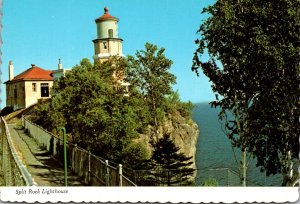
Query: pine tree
[170, 167]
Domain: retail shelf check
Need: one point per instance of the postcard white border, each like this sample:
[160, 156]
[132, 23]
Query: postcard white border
[152, 194]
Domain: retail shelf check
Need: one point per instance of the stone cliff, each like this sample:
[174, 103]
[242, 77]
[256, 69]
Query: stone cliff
[184, 132]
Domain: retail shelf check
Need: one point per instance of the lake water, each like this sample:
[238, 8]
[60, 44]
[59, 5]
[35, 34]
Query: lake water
[215, 157]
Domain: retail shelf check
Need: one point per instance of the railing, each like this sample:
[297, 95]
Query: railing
[13, 170]
[223, 176]
[160, 177]
[92, 169]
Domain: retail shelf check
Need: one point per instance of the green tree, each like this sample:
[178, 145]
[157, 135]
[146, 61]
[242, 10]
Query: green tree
[97, 114]
[253, 65]
[173, 104]
[170, 166]
[149, 73]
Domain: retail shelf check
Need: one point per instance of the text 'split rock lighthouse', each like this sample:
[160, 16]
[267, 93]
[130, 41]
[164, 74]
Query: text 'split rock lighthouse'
[107, 43]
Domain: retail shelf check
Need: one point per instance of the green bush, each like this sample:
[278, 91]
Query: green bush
[210, 182]
[173, 104]
[19, 125]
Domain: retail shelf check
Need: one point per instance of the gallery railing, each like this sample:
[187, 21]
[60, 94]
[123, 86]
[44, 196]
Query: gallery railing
[92, 169]
[13, 170]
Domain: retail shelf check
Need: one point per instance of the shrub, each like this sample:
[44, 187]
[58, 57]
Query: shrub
[7, 110]
[210, 182]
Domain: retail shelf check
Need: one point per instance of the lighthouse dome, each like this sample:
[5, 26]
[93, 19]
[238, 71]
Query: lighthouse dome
[106, 16]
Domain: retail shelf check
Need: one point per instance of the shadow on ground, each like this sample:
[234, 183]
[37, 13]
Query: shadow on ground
[46, 170]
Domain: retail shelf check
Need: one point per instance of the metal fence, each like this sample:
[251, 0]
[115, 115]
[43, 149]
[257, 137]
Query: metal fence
[90, 168]
[222, 176]
[162, 177]
[13, 170]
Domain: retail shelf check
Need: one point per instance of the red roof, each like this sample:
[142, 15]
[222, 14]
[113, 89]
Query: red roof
[106, 16]
[33, 73]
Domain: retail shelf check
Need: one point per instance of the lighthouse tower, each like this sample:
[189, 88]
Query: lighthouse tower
[108, 42]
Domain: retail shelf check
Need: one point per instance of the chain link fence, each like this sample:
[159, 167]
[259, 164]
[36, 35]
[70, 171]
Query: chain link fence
[13, 170]
[90, 168]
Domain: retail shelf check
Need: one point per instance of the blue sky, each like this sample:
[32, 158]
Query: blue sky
[42, 31]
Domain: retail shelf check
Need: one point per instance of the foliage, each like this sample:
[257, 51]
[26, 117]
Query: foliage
[149, 73]
[90, 102]
[210, 182]
[170, 166]
[254, 65]
[6, 110]
[19, 125]
[45, 114]
[173, 104]
[94, 110]
[136, 152]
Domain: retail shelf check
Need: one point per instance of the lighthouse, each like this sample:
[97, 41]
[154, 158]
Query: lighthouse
[107, 43]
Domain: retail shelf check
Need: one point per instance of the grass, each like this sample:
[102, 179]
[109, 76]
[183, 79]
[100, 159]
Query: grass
[19, 124]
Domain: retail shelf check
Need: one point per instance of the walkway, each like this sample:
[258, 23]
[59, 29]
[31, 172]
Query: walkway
[44, 169]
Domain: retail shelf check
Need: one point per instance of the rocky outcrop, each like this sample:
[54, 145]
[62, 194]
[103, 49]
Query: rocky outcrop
[184, 132]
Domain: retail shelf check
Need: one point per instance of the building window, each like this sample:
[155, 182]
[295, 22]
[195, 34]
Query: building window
[34, 87]
[105, 45]
[44, 90]
[110, 33]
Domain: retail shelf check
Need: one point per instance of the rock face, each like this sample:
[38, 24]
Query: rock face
[184, 132]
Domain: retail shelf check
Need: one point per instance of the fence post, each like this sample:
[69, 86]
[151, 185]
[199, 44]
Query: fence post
[73, 157]
[65, 157]
[227, 177]
[107, 173]
[120, 175]
[89, 171]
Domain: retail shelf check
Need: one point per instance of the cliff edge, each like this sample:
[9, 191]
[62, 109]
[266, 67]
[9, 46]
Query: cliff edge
[183, 131]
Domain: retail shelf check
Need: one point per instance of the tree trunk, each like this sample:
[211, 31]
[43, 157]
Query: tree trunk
[288, 172]
[244, 168]
[155, 118]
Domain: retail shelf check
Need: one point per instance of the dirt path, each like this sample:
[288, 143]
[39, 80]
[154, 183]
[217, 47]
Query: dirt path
[45, 170]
